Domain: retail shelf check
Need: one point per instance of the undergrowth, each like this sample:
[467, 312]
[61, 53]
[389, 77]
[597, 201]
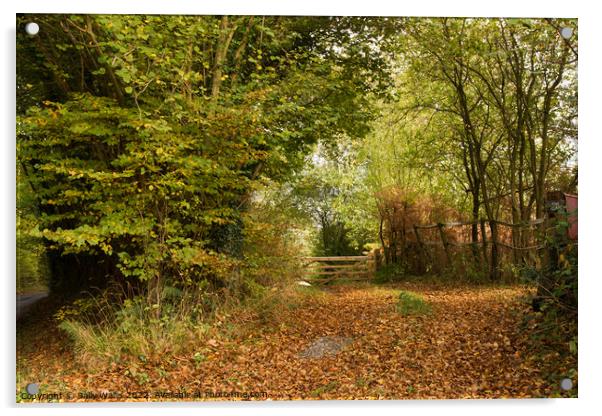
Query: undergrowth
[108, 329]
[104, 330]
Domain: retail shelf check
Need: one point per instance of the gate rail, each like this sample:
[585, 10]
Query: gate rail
[326, 269]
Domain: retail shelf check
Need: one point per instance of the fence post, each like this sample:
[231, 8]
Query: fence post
[494, 272]
[376, 254]
[445, 243]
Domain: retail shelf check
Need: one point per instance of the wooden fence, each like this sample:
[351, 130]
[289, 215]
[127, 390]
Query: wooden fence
[482, 245]
[326, 269]
[487, 246]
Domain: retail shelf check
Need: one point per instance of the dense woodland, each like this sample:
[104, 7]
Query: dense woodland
[181, 164]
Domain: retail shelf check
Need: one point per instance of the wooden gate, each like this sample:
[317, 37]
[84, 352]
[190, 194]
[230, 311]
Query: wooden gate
[325, 269]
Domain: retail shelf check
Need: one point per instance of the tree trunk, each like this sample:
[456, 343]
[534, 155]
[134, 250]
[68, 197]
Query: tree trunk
[494, 269]
[475, 226]
[221, 50]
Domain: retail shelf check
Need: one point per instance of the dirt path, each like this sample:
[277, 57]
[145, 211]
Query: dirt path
[26, 300]
[472, 345]
[468, 347]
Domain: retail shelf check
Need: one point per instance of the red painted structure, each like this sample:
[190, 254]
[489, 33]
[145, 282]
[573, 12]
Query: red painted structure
[571, 209]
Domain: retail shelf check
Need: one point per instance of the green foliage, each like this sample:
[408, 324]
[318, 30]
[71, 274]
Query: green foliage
[273, 237]
[484, 122]
[148, 134]
[332, 195]
[410, 303]
[557, 279]
[558, 283]
[193, 159]
[32, 266]
[134, 194]
[408, 153]
[555, 306]
[483, 90]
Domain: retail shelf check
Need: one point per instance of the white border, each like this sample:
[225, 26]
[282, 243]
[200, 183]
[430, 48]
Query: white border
[589, 210]
[508, 8]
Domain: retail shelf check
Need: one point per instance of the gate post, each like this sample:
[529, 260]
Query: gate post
[445, 243]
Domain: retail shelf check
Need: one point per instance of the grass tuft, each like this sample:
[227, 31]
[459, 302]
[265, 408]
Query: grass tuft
[117, 331]
[410, 303]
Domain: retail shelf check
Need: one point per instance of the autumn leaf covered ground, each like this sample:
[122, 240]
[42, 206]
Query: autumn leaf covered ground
[476, 342]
